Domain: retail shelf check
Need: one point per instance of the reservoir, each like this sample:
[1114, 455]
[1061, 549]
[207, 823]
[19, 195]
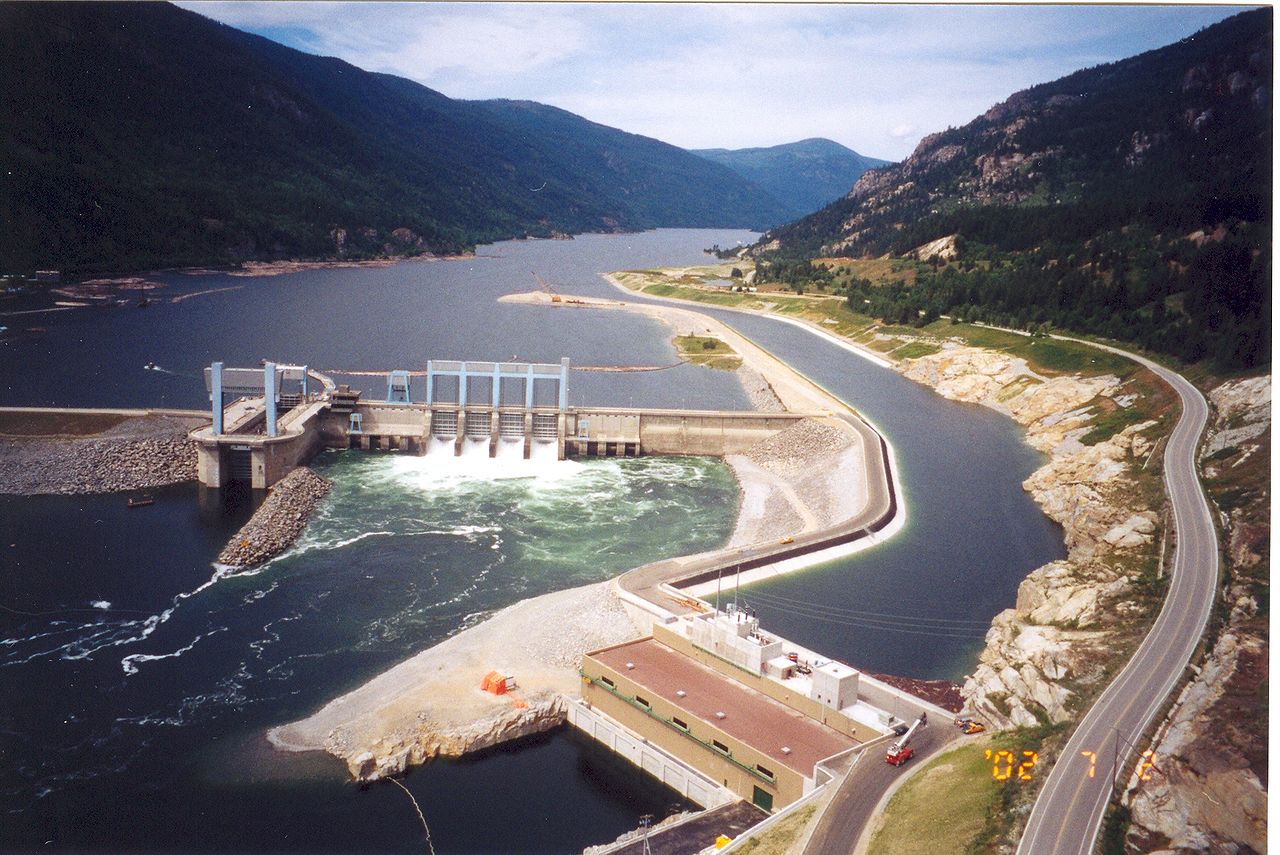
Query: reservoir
[144, 676]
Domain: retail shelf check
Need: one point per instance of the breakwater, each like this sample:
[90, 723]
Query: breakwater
[279, 521]
[79, 455]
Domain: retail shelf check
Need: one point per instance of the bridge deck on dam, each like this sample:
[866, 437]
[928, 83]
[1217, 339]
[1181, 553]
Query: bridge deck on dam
[421, 428]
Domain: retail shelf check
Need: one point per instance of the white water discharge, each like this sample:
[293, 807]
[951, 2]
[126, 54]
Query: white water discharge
[440, 446]
[543, 449]
[509, 449]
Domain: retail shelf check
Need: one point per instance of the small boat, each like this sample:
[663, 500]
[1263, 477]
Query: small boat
[141, 501]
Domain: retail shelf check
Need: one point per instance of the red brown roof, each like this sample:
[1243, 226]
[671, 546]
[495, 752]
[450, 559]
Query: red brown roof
[750, 716]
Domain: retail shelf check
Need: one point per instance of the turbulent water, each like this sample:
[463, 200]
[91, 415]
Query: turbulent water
[144, 677]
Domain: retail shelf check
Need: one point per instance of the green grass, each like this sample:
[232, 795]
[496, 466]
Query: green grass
[778, 839]
[915, 350]
[727, 298]
[943, 807]
[1044, 355]
[708, 351]
[1109, 424]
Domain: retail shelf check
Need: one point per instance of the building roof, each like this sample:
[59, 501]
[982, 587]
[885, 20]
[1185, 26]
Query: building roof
[751, 717]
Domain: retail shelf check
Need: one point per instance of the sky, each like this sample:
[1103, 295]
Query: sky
[875, 78]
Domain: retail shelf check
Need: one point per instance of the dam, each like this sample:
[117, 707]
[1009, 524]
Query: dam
[280, 416]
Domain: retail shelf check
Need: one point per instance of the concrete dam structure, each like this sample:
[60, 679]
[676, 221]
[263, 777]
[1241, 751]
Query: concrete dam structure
[282, 415]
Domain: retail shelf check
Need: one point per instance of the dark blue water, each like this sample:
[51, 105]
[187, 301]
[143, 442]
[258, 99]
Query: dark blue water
[90, 760]
[367, 318]
[134, 714]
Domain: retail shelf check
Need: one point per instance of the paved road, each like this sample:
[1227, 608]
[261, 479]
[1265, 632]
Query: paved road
[860, 791]
[1068, 813]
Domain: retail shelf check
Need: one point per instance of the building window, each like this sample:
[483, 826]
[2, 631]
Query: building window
[608, 682]
[642, 702]
[763, 771]
[678, 723]
[719, 746]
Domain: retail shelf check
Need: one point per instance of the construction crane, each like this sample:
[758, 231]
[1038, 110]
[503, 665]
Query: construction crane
[899, 752]
[555, 298]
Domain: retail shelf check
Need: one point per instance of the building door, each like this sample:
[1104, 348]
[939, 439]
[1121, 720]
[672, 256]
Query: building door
[761, 799]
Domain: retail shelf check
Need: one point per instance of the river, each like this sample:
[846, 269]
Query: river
[142, 705]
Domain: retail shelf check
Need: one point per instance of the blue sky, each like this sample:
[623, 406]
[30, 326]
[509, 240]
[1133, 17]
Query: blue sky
[876, 78]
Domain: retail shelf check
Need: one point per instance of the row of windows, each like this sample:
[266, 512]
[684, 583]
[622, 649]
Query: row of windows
[715, 743]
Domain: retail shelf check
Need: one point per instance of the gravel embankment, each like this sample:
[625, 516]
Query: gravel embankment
[805, 442]
[136, 455]
[759, 392]
[277, 523]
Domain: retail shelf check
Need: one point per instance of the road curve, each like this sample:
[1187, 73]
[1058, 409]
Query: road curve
[1068, 813]
[858, 794]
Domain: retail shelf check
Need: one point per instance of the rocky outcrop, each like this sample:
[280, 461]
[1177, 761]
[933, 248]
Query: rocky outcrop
[277, 523]
[1041, 141]
[1055, 635]
[426, 739]
[432, 704]
[1207, 796]
[943, 249]
[1243, 415]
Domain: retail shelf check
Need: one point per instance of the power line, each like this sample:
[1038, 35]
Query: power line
[778, 599]
[889, 626]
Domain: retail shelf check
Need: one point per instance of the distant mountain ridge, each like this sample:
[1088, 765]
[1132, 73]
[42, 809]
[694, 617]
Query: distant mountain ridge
[805, 175]
[1131, 200]
[142, 135]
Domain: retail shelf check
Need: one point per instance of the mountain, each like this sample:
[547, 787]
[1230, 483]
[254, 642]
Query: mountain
[805, 175]
[658, 183]
[141, 135]
[1131, 200]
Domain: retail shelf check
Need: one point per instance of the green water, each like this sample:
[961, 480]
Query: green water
[421, 547]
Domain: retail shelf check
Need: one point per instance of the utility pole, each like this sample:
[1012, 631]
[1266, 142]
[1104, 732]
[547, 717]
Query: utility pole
[644, 824]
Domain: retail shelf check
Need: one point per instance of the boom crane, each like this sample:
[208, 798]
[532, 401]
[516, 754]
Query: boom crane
[899, 752]
[542, 283]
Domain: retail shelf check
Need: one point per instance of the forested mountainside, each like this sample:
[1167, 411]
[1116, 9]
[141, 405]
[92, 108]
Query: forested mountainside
[804, 176]
[141, 135]
[1131, 200]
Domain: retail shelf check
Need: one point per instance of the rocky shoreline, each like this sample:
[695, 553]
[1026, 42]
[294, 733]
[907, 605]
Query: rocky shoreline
[1057, 632]
[278, 522]
[1070, 615]
[138, 454]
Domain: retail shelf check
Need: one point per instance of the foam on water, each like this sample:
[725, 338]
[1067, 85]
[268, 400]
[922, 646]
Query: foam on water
[130, 663]
[441, 471]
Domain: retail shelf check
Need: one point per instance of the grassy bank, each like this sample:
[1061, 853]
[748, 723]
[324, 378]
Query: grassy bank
[943, 807]
[708, 351]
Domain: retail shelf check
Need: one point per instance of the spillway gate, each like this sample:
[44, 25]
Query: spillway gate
[279, 419]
